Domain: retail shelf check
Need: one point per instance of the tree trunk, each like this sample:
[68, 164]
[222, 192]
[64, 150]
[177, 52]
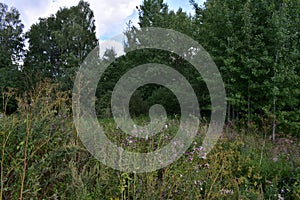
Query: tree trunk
[274, 120]
[228, 112]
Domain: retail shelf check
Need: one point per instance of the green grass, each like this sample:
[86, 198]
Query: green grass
[42, 158]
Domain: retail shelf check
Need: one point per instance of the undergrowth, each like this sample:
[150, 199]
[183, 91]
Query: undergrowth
[43, 158]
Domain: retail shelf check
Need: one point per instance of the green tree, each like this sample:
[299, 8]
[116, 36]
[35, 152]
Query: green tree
[59, 44]
[155, 13]
[11, 53]
[284, 108]
[254, 44]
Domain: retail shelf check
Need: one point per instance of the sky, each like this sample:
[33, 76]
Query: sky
[111, 16]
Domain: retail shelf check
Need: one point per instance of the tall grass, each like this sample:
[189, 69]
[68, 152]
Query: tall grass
[42, 158]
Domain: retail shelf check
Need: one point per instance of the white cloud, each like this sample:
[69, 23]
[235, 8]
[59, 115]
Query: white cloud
[111, 44]
[111, 16]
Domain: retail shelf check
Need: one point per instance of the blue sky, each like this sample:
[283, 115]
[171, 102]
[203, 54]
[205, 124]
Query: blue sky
[111, 15]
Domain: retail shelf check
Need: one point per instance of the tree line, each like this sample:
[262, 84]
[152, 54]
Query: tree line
[254, 43]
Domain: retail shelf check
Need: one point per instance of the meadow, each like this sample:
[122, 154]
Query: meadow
[42, 157]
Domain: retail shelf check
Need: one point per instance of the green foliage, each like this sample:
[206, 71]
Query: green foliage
[31, 141]
[11, 54]
[251, 43]
[59, 44]
[11, 38]
[56, 165]
[255, 45]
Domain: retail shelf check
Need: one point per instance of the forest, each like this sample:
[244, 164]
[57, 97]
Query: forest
[255, 45]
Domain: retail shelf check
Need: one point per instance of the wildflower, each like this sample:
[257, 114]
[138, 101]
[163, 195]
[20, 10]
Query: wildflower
[280, 197]
[206, 165]
[224, 192]
[203, 156]
[199, 148]
[130, 141]
[198, 182]
[32, 103]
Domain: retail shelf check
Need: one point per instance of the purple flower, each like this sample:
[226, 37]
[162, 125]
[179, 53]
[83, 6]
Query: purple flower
[199, 148]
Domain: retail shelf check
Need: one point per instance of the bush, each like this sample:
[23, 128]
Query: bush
[43, 158]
